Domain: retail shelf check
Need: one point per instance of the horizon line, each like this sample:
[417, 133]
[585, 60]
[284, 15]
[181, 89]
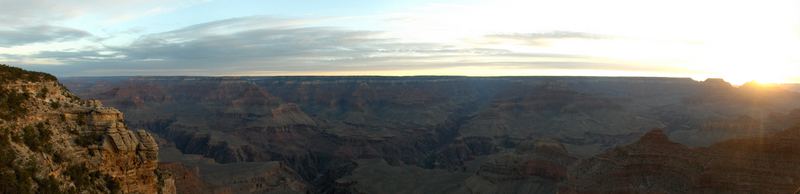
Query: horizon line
[427, 76]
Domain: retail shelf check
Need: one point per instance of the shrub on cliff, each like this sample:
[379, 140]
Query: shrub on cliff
[86, 180]
[37, 138]
[89, 139]
[10, 74]
[14, 178]
[12, 104]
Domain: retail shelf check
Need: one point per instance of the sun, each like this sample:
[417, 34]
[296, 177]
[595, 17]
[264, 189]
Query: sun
[764, 74]
[762, 79]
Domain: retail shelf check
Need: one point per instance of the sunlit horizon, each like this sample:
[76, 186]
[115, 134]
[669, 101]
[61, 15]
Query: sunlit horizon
[708, 39]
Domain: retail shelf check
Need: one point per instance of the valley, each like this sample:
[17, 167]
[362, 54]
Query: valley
[463, 134]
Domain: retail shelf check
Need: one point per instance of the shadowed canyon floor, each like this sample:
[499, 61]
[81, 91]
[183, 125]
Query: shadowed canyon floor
[461, 134]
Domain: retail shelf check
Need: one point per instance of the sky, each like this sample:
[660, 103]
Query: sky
[737, 40]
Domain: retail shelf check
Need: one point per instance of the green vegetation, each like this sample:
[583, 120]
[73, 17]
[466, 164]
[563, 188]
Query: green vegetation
[81, 119]
[80, 175]
[42, 93]
[55, 105]
[11, 74]
[112, 185]
[85, 180]
[11, 101]
[19, 174]
[48, 185]
[15, 178]
[92, 138]
[37, 138]
[12, 104]
[21, 179]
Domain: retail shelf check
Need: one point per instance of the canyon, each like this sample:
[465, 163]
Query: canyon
[457, 134]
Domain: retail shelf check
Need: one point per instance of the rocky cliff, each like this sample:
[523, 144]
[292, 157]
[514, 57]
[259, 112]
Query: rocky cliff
[54, 142]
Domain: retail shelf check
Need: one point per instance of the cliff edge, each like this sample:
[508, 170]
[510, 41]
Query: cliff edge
[53, 142]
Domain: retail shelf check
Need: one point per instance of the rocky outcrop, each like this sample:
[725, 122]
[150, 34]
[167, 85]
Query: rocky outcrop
[461, 150]
[271, 177]
[128, 157]
[539, 168]
[753, 165]
[289, 115]
[76, 146]
[189, 178]
[378, 176]
[535, 167]
[655, 164]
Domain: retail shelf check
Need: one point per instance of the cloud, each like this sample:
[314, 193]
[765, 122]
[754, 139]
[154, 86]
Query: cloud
[551, 35]
[39, 12]
[266, 44]
[26, 12]
[251, 38]
[543, 38]
[37, 34]
[78, 56]
[493, 35]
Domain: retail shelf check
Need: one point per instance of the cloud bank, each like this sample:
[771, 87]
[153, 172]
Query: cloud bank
[283, 46]
[39, 34]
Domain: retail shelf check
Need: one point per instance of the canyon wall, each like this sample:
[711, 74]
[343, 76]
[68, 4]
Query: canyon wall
[54, 142]
[336, 133]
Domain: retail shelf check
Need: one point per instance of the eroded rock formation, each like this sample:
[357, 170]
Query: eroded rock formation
[325, 128]
[72, 146]
[655, 164]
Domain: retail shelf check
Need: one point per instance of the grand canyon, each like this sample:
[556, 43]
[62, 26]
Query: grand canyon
[462, 134]
[399, 97]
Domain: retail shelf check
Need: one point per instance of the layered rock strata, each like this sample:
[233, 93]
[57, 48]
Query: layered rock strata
[56, 143]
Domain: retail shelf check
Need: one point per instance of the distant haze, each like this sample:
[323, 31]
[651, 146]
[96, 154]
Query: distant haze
[736, 40]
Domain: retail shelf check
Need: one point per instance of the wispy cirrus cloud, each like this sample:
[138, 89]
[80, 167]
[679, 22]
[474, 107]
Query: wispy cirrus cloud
[541, 38]
[551, 35]
[39, 34]
[283, 45]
